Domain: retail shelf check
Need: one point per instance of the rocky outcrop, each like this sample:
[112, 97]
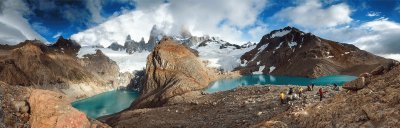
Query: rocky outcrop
[364, 79]
[32, 64]
[376, 105]
[102, 66]
[51, 109]
[66, 46]
[116, 47]
[36, 108]
[292, 52]
[54, 67]
[132, 46]
[171, 70]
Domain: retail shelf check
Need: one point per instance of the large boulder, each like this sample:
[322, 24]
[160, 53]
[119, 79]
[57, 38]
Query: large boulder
[53, 110]
[356, 84]
[171, 70]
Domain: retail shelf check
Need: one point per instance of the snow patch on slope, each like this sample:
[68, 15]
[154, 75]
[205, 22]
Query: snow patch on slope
[126, 62]
[292, 44]
[280, 33]
[226, 58]
[272, 68]
[260, 69]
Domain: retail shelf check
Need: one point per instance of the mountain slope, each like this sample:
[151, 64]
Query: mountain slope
[292, 52]
[56, 67]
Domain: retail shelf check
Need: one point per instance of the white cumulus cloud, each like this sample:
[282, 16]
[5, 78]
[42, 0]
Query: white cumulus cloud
[223, 18]
[312, 14]
[14, 28]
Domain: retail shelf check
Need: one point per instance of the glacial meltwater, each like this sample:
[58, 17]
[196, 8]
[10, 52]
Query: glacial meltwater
[106, 103]
[249, 80]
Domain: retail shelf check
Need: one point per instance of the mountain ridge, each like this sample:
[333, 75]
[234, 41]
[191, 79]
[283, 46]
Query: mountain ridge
[291, 52]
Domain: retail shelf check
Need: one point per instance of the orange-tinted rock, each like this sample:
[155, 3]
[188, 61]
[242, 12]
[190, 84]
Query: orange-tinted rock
[52, 110]
[171, 70]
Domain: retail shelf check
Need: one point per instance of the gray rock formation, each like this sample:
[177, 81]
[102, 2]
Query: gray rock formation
[116, 47]
[132, 46]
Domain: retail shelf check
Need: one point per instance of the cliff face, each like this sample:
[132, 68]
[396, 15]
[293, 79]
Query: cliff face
[34, 64]
[102, 66]
[56, 67]
[171, 70]
[292, 52]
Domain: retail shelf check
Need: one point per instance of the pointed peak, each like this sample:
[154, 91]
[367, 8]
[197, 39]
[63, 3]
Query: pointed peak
[142, 39]
[128, 37]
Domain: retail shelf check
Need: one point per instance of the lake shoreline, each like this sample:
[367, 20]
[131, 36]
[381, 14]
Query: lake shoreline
[219, 109]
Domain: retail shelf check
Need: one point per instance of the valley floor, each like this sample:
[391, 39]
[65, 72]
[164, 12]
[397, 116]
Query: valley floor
[241, 107]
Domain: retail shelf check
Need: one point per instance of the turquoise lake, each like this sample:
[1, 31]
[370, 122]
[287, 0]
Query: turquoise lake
[118, 100]
[249, 80]
[106, 103]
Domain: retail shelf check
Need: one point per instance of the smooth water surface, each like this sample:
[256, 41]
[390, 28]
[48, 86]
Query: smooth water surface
[249, 80]
[106, 103]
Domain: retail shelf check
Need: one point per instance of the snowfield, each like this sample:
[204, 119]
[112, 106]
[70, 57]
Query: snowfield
[280, 33]
[125, 61]
[226, 58]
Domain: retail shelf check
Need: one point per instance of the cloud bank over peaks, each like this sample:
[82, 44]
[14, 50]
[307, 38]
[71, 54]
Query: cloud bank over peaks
[14, 28]
[312, 14]
[232, 20]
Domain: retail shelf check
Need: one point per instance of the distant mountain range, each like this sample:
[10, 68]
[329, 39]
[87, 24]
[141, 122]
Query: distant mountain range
[184, 38]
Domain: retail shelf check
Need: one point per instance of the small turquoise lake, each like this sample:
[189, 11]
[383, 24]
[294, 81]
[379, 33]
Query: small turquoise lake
[115, 101]
[106, 103]
[249, 80]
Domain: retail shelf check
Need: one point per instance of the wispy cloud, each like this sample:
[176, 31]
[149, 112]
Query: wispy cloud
[57, 35]
[16, 27]
[373, 14]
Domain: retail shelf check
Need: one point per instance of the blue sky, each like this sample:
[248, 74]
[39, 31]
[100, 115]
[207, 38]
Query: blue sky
[364, 23]
[53, 19]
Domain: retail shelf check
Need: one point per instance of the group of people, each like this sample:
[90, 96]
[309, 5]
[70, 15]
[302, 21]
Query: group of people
[291, 94]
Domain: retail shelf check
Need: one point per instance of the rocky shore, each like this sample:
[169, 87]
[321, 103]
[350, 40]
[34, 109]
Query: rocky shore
[241, 107]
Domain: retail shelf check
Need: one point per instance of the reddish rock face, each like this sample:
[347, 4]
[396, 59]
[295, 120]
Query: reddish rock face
[171, 70]
[53, 110]
[295, 53]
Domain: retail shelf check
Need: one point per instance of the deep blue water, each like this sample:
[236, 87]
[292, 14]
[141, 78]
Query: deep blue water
[106, 103]
[249, 80]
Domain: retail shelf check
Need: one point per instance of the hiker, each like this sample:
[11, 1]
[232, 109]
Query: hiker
[282, 97]
[290, 91]
[312, 87]
[321, 93]
[335, 87]
[300, 91]
[308, 88]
